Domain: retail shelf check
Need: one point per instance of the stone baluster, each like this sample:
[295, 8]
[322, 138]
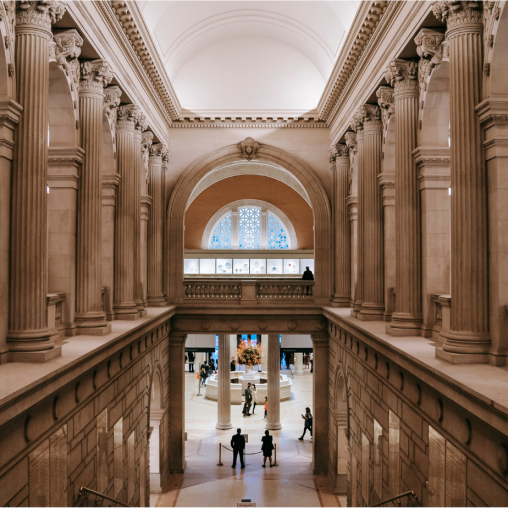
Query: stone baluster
[340, 168]
[155, 226]
[357, 126]
[224, 384]
[273, 382]
[141, 126]
[28, 325]
[90, 316]
[126, 205]
[469, 320]
[372, 210]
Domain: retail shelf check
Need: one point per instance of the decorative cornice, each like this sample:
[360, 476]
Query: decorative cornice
[386, 101]
[110, 180]
[258, 122]
[402, 75]
[431, 156]
[39, 13]
[493, 111]
[128, 116]
[95, 75]
[249, 148]
[65, 155]
[366, 21]
[457, 13]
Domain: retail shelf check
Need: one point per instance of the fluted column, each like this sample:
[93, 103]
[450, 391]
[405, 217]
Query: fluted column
[155, 226]
[469, 319]
[372, 210]
[342, 272]
[224, 388]
[124, 305]
[407, 318]
[298, 364]
[90, 317]
[28, 324]
[141, 125]
[352, 206]
[357, 126]
[273, 379]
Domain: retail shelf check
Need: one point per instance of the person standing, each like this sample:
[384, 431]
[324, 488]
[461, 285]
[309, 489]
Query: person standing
[248, 400]
[233, 364]
[266, 408]
[238, 445]
[308, 275]
[211, 365]
[308, 423]
[254, 397]
[191, 361]
[267, 448]
[306, 357]
[202, 376]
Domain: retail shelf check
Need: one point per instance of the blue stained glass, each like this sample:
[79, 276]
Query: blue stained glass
[277, 234]
[221, 237]
[250, 225]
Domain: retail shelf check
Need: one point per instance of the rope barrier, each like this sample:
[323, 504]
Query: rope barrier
[255, 453]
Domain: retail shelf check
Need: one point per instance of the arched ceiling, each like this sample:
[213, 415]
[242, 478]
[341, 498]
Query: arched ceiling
[248, 55]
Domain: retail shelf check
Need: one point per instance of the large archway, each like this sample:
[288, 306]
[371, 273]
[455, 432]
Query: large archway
[341, 432]
[224, 156]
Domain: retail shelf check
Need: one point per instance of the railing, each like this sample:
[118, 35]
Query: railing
[84, 492]
[410, 494]
[198, 289]
[285, 289]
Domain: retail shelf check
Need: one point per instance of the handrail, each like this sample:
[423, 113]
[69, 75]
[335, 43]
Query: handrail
[409, 493]
[84, 491]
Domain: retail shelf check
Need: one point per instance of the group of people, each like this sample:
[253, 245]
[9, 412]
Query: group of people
[238, 445]
[251, 400]
[206, 369]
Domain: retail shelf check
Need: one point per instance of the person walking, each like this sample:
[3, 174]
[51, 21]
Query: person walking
[238, 445]
[266, 408]
[254, 397]
[248, 400]
[202, 376]
[308, 423]
[267, 448]
[211, 365]
[191, 361]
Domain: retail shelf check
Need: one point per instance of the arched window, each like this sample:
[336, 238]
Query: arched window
[252, 225]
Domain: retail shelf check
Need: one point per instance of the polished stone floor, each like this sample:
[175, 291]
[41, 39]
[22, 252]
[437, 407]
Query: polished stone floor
[204, 483]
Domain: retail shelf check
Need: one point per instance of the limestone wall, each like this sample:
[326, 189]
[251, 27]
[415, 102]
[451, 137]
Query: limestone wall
[86, 425]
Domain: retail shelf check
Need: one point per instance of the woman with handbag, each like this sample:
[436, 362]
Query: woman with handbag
[267, 448]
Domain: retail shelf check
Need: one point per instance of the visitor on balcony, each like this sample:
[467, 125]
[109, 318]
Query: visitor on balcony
[308, 275]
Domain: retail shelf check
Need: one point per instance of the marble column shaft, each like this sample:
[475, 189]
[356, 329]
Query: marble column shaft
[298, 364]
[155, 288]
[89, 313]
[342, 294]
[28, 324]
[372, 211]
[469, 319]
[273, 388]
[224, 385]
[407, 318]
[126, 205]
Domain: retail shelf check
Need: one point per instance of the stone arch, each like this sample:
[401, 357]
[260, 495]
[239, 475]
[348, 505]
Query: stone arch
[341, 430]
[227, 155]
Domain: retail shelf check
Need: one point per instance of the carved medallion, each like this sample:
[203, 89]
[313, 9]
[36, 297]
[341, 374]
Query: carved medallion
[263, 325]
[249, 149]
[235, 325]
[292, 325]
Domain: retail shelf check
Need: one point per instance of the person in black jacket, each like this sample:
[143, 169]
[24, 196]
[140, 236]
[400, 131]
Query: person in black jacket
[308, 275]
[308, 423]
[238, 445]
[191, 361]
[267, 448]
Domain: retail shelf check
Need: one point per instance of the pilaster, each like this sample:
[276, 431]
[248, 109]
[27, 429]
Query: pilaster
[273, 381]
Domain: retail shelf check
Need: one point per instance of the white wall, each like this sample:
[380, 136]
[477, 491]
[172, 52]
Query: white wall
[295, 341]
[196, 340]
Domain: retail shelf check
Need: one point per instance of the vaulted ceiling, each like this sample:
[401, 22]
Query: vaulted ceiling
[248, 56]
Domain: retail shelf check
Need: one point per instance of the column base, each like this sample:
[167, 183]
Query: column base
[371, 312]
[224, 426]
[273, 426]
[340, 301]
[125, 311]
[156, 300]
[298, 373]
[357, 307]
[35, 356]
[403, 325]
[461, 358]
[92, 323]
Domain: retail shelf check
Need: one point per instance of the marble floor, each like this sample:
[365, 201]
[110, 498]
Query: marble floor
[204, 483]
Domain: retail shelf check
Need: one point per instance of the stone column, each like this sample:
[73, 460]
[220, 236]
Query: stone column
[373, 281]
[224, 388]
[264, 346]
[352, 204]
[299, 364]
[320, 402]
[146, 206]
[141, 125]
[126, 206]
[357, 126]
[469, 320]
[273, 388]
[155, 226]
[175, 458]
[407, 318]
[340, 168]
[90, 317]
[28, 324]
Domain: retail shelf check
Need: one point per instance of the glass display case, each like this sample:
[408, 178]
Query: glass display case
[258, 266]
[207, 266]
[191, 266]
[292, 266]
[241, 266]
[224, 266]
[274, 266]
[306, 262]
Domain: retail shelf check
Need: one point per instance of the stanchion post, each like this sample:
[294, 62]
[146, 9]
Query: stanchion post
[275, 448]
[199, 388]
[220, 452]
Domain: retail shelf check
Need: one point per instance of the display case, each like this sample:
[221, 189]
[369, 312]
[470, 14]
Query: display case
[274, 266]
[207, 266]
[258, 266]
[291, 266]
[191, 266]
[224, 266]
[306, 262]
[240, 266]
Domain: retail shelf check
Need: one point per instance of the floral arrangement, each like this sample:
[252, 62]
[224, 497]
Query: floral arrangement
[249, 355]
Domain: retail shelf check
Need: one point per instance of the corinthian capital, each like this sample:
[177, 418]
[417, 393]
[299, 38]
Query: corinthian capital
[356, 123]
[429, 46]
[456, 13]
[371, 116]
[95, 75]
[159, 150]
[142, 123]
[333, 153]
[39, 14]
[386, 102]
[65, 50]
[402, 75]
[341, 151]
[128, 116]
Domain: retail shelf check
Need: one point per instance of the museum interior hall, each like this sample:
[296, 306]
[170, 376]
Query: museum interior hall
[253, 253]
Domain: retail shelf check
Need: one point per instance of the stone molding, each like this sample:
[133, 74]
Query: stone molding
[386, 182]
[258, 122]
[10, 113]
[110, 183]
[146, 205]
[433, 166]
[402, 75]
[39, 13]
[360, 34]
[94, 76]
[65, 155]
[249, 148]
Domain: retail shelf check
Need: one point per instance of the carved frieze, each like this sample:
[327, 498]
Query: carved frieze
[386, 102]
[249, 149]
[402, 75]
[39, 13]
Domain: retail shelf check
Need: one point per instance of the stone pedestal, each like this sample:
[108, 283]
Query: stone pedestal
[224, 391]
[175, 429]
[273, 381]
[28, 325]
[298, 364]
[469, 332]
[90, 316]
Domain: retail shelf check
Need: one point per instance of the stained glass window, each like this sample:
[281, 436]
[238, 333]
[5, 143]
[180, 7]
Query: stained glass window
[221, 236]
[277, 233]
[250, 226]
